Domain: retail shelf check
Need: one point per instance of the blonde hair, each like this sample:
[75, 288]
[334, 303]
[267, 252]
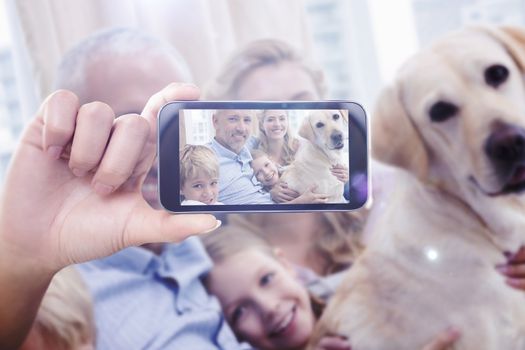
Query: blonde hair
[65, 317]
[337, 240]
[258, 153]
[197, 157]
[257, 54]
[290, 143]
[230, 240]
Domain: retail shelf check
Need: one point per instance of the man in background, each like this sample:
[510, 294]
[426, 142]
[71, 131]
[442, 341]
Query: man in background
[236, 178]
[149, 296]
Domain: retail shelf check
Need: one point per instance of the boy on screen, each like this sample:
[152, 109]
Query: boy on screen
[199, 176]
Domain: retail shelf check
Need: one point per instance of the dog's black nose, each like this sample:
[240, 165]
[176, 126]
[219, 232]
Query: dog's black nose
[337, 137]
[506, 145]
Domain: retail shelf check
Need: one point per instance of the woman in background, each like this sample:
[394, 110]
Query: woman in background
[274, 137]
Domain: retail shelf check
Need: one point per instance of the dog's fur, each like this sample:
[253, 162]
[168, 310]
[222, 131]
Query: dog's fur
[324, 132]
[435, 243]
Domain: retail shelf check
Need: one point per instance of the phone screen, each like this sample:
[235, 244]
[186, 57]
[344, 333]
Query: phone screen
[262, 156]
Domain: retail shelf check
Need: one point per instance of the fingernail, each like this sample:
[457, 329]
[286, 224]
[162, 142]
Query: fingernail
[217, 225]
[79, 172]
[103, 188]
[54, 151]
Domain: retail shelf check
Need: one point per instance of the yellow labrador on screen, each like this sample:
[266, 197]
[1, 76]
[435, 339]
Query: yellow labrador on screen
[455, 119]
[324, 133]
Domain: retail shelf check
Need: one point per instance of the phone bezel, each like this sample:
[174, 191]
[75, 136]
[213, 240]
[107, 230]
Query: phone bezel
[169, 191]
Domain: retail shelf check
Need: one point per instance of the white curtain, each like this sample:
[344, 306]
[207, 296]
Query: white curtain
[204, 31]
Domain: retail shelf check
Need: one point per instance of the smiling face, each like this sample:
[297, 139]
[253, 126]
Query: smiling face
[274, 124]
[265, 171]
[201, 187]
[232, 128]
[469, 110]
[263, 303]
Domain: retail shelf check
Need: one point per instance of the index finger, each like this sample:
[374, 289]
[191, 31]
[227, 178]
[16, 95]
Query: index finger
[290, 192]
[285, 198]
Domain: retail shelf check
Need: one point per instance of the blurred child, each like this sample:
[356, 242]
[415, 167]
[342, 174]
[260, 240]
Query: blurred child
[199, 176]
[263, 302]
[64, 320]
[267, 173]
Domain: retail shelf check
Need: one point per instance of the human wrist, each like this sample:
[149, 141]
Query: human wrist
[17, 260]
[21, 250]
[19, 270]
[24, 282]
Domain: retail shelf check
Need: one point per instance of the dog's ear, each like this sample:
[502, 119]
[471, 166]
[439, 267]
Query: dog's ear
[394, 138]
[306, 130]
[513, 38]
[344, 114]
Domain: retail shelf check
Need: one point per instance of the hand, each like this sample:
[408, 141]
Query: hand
[333, 343]
[340, 172]
[444, 340]
[72, 194]
[70, 198]
[309, 197]
[514, 269]
[281, 193]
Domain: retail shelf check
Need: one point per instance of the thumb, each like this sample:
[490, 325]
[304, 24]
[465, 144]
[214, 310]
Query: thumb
[155, 226]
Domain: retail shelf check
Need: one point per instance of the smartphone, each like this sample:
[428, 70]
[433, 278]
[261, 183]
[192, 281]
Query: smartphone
[262, 156]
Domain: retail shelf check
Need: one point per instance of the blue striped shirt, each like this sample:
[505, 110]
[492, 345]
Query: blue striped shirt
[148, 301]
[237, 183]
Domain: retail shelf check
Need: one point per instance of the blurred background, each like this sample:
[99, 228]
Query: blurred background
[359, 44]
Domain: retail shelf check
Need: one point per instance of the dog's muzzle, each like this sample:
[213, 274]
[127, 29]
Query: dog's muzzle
[505, 148]
[337, 140]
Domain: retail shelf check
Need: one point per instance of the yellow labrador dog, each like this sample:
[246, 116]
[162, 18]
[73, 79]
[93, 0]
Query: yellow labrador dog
[324, 133]
[455, 119]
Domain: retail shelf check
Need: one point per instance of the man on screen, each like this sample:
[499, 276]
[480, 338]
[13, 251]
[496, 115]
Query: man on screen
[237, 185]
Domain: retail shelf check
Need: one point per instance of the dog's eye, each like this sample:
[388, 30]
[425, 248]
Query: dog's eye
[335, 116]
[496, 75]
[319, 125]
[442, 111]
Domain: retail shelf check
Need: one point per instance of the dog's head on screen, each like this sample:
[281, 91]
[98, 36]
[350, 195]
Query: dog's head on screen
[327, 129]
